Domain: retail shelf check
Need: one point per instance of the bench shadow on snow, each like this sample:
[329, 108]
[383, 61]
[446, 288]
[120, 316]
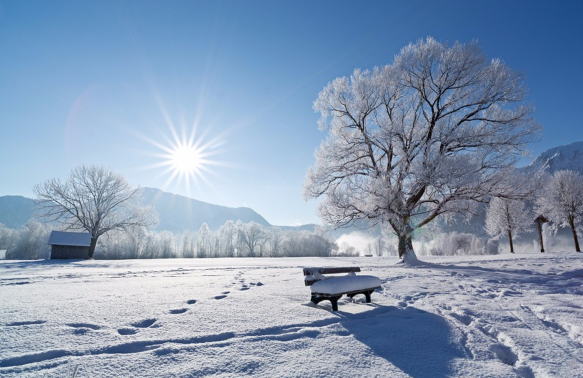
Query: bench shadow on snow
[419, 343]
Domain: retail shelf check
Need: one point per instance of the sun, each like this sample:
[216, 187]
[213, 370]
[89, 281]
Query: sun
[185, 156]
[186, 159]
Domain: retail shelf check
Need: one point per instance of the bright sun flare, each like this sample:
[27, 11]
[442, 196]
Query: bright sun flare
[186, 156]
[185, 159]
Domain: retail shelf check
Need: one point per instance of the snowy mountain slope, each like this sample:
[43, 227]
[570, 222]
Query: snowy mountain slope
[177, 213]
[15, 211]
[559, 158]
[495, 316]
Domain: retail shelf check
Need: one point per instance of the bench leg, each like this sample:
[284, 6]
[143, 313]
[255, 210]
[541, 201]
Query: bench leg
[334, 300]
[316, 299]
[367, 295]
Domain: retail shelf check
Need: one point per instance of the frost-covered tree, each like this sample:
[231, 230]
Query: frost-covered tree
[433, 133]
[291, 244]
[204, 242]
[188, 244]
[455, 243]
[31, 242]
[562, 201]
[507, 217]
[252, 236]
[94, 199]
[7, 237]
[347, 250]
[275, 239]
[226, 237]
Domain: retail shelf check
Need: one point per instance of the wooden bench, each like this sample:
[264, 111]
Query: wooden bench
[333, 288]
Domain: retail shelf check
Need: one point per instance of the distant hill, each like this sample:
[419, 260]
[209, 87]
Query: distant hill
[15, 211]
[559, 158]
[178, 213]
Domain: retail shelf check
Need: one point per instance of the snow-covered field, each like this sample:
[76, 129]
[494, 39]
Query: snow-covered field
[494, 316]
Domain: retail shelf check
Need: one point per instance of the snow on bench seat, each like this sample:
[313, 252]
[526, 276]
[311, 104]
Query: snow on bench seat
[345, 284]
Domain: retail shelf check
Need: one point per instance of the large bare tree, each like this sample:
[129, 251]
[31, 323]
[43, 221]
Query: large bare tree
[431, 134]
[94, 199]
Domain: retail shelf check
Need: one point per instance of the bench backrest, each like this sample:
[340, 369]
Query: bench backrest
[313, 275]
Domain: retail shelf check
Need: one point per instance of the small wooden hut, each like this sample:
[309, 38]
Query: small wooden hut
[69, 245]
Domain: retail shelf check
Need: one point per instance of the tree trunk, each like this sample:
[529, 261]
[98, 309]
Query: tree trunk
[540, 236]
[406, 252]
[92, 247]
[574, 232]
[510, 240]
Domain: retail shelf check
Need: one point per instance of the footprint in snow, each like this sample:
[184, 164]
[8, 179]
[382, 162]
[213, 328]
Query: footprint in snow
[84, 325]
[18, 324]
[504, 354]
[127, 331]
[178, 311]
[144, 323]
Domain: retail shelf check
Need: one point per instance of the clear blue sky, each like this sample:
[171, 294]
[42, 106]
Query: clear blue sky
[105, 82]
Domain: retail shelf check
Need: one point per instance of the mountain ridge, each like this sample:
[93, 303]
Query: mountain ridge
[177, 213]
[569, 156]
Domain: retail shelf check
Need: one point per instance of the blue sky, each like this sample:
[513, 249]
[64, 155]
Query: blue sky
[106, 82]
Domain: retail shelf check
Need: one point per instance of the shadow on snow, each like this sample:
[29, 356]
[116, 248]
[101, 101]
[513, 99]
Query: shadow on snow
[419, 343]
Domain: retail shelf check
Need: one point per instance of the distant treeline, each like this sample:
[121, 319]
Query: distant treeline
[232, 239]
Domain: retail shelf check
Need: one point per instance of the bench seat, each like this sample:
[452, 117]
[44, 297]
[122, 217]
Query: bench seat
[332, 288]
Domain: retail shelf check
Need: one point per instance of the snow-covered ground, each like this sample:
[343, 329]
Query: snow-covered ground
[493, 316]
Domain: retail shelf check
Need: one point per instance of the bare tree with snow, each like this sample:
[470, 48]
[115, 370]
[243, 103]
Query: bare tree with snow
[226, 236]
[562, 201]
[431, 134]
[94, 199]
[506, 217]
[7, 237]
[253, 237]
[204, 241]
[275, 239]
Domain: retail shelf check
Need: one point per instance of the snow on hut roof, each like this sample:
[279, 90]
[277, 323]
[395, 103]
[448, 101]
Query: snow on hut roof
[70, 238]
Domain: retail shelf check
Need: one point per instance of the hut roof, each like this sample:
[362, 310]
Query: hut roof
[82, 239]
